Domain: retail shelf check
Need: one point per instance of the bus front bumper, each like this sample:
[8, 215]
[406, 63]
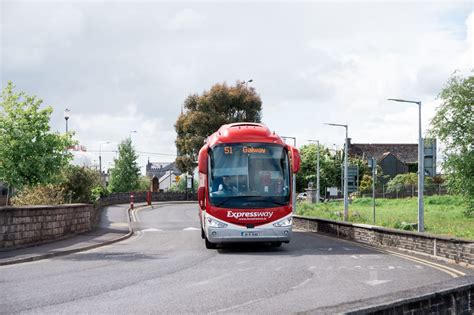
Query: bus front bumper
[237, 234]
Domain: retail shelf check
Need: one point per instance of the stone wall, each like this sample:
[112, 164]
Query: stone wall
[30, 225]
[454, 296]
[452, 249]
[122, 198]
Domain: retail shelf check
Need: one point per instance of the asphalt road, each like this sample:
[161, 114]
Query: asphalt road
[165, 268]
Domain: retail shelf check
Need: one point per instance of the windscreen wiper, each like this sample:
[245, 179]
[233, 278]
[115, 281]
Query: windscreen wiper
[229, 198]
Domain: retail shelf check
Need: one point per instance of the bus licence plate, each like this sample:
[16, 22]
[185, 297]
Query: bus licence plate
[249, 233]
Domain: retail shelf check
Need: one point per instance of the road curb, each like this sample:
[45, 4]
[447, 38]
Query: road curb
[75, 250]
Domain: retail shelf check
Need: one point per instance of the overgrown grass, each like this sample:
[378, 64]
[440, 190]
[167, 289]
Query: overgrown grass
[443, 214]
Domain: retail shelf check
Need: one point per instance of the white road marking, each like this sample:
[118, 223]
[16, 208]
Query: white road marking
[152, 230]
[191, 229]
[347, 248]
[366, 256]
[237, 306]
[374, 283]
[301, 284]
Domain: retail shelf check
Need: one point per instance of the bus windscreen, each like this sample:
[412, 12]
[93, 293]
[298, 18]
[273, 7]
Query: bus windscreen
[249, 175]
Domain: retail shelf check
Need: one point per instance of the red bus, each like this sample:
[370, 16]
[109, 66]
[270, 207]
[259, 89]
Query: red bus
[245, 188]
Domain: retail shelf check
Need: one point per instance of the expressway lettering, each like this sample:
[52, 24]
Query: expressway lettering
[249, 215]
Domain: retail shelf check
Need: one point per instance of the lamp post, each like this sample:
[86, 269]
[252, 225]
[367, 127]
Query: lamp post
[293, 177]
[100, 156]
[67, 114]
[130, 135]
[317, 171]
[373, 166]
[421, 215]
[346, 148]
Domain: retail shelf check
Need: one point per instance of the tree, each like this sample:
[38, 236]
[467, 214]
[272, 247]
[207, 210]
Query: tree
[78, 183]
[453, 124]
[144, 183]
[403, 180]
[125, 174]
[30, 153]
[181, 186]
[365, 184]
[204, 114]
[329, 168]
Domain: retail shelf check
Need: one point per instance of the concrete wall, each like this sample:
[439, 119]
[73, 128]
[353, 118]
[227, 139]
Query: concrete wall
[451, 249]
[29, 225]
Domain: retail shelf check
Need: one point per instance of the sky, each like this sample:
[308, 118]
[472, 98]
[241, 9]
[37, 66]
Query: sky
[128, 66]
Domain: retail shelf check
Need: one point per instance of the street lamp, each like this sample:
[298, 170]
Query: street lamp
[294, 176]
[421, 215]
[346, 148]
[100, 157]
[130, 134]
[67, 114]
[317, 170]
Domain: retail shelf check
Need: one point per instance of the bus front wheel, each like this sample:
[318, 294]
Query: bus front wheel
[210, 245]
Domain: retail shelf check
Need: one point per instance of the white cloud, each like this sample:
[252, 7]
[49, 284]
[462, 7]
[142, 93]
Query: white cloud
[184, 20]
[153, 134]
[129, 66]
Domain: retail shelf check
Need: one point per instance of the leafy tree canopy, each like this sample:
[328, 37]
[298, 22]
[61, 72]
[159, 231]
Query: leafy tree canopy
[401, 181]
[453, 124]
[329, 168]
[125, 175]
[204, 114]
[30, 153]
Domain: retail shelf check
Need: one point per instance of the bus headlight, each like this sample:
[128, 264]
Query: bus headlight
[284, 222]
[215, 223]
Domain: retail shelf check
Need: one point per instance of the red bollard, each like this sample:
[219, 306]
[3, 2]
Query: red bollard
[132, 196]
[148, 197]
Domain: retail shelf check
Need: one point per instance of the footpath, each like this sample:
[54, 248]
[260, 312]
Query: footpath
[114, 226]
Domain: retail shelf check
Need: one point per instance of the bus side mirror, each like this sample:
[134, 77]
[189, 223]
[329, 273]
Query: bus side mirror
[202, 161]
[295, 159]
[201, 197]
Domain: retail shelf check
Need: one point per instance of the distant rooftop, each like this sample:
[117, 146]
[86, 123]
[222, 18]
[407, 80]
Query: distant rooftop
[405, 152]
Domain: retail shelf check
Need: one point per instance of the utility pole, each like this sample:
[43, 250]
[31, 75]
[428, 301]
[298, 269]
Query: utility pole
[373, 164]
[421, 168]
[346, 148]
[317, 171]
[67, 114]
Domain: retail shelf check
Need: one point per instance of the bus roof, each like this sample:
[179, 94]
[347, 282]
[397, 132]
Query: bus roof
[244, 132]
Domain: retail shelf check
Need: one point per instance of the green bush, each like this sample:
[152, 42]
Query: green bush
[78, 183]
[40, 195]
[98, 192]
[144, 183]
[181, 185]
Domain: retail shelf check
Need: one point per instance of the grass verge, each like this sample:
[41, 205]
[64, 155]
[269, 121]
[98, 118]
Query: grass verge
[444, 215]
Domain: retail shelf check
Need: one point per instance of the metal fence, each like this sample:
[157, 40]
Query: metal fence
[405, 192]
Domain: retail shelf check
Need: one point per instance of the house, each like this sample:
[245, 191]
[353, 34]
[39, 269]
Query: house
[165, 172]
[393, 158]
